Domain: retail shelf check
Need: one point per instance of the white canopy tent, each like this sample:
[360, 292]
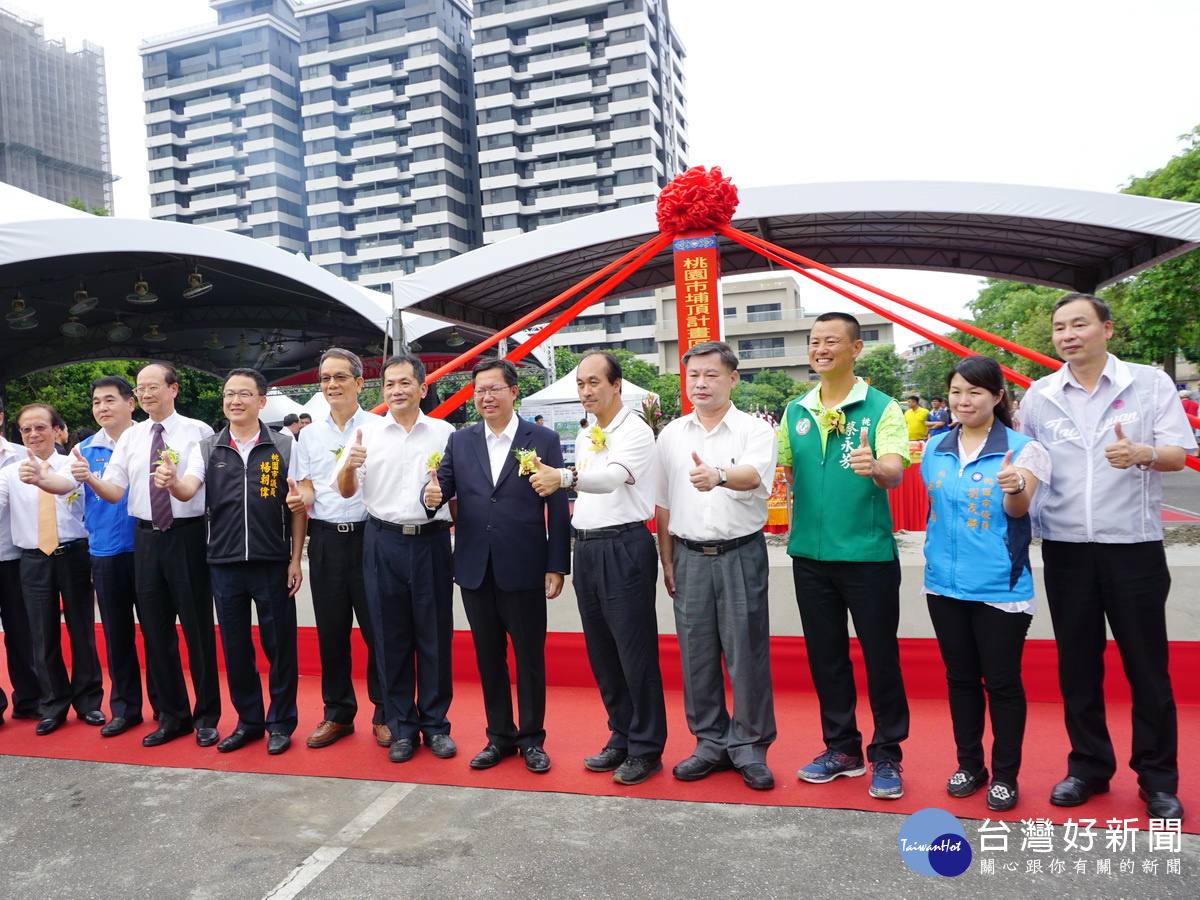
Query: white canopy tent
[278, 406]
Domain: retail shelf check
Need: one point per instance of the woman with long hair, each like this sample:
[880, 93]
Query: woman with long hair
[981, 478]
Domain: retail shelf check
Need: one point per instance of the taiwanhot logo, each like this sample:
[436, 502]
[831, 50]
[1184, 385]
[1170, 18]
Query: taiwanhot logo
[933, 842]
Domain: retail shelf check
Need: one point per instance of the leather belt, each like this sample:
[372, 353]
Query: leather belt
[147, 525]
[340, 527]
[716, 548]
[588, 534]
[428, 528]
[59, 550]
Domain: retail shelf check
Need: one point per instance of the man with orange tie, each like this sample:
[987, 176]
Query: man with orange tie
[48, 527]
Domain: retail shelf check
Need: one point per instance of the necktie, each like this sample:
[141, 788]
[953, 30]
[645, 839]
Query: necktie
[160, 499]
[47, 519]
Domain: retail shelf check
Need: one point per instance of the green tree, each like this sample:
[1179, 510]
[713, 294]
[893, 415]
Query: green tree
[76, 203]
[929, 372]
[770, 391]
[883, 368]
[1016, 311]
[1162, 305]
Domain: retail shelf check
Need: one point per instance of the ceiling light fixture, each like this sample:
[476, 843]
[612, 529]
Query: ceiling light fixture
[214, 342]
[23, 324]
[19, 310]
[118, 331]
[83, 302]
[154, 336]
[455, 339]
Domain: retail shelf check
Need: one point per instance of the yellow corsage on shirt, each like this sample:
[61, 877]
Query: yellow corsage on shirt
[833, 420]
[598, 438]
[73, 496]
[525, 460]
[166, 454]
[435, 460]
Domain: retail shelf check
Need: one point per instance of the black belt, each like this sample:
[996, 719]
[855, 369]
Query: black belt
[587, 534]
[147, 525]
[428, 528]
[716, 548]
[59, 550]
[340, 527]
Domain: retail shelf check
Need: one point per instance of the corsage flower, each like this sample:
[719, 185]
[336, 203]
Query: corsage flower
[166, 454]
[526, 464]
[435, 460]
[833, 419]
[598, 438]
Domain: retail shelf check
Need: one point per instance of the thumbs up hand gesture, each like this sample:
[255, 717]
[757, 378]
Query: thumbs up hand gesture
[1009, 479]
[433, 491]
[30, 470]
[164, 475]
[294, 499]
[80, 470]
[703, 476]
[356, 452]
[1125, 453]
[545, 479]
[862, 457]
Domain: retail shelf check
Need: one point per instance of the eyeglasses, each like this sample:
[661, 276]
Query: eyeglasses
[492, 391]
[340, 378]
[34, 429]
[239, 395]
[148, 389]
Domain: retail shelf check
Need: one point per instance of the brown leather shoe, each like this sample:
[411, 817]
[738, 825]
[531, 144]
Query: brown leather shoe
[383, 735]
[328, 732]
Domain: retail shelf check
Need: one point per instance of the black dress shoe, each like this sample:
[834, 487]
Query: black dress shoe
[206, 737]
[119, 725]
[277, 742]
[401, 751]
[45, 726]
[165, 735]
[1161, 804]
[441, 745]
[1072, 791]
[93, 717]
[536, 760]
[491, 755]
[607, 760]
[694, 768]
[757, 776]
[238, 740]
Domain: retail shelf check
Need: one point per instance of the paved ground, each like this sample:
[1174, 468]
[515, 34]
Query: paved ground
[97, 830]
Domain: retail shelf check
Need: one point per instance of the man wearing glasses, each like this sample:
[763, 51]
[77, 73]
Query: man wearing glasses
[511, 551]
[335, 550]
[254, 548]
[169, 558]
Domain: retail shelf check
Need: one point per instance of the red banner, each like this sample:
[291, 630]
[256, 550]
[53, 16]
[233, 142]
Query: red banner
[697, 305]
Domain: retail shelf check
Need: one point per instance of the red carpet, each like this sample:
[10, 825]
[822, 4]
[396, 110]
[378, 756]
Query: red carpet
[576, 727]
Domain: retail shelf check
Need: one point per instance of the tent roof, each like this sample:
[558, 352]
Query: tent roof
[564, 391]
[270, 309]
[1078, 240]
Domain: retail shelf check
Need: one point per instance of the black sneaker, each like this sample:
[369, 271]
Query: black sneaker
[963, 784]
[606, 760]
[637, 769]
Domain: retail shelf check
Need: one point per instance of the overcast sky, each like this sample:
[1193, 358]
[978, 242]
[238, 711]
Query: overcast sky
[1063, 93]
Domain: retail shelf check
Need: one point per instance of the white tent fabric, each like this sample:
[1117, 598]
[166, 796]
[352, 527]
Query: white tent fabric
[278, 406]
[564, 391]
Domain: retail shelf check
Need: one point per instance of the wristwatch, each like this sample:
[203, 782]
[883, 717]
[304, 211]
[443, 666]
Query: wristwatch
[721, 476]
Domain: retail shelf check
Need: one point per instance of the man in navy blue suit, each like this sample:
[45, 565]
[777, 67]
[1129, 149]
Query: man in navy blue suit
[511, 551]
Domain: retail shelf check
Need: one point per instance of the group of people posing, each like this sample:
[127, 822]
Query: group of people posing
[178, 517]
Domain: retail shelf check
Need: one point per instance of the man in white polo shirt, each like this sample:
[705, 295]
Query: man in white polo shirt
[616, 569]
[716, 468]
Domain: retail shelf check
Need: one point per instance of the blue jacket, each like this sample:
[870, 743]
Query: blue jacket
[973, 549]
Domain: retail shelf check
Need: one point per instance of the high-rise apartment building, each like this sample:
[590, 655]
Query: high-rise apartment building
[389, 135]
[347, 129]
[53, 116]
[580, 107]
[223, 123]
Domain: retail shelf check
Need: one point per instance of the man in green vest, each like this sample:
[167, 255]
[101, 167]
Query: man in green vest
[842, 446]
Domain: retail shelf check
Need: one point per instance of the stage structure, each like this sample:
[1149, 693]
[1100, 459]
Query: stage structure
[692, 210]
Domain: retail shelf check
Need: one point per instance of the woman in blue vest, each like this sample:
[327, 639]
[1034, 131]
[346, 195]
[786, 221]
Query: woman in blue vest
[980, 478]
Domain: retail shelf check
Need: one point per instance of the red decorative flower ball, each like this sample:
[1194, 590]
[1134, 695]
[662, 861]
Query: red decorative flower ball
[697, 200]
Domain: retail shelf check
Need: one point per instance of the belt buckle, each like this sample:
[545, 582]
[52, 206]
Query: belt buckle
[710, 550]
[345, 527]
[59, 550]
[410, 529]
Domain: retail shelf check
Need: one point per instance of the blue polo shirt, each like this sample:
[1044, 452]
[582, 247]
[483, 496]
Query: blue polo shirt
[109, 525]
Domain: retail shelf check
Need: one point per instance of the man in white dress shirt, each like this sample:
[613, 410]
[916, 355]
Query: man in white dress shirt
[406, 554]
[616, 569]
[169, 558]
[14, 617]
[335, 550]
[48, 527]
[716, 468]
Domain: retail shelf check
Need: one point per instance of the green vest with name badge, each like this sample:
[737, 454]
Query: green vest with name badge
[836, 514]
